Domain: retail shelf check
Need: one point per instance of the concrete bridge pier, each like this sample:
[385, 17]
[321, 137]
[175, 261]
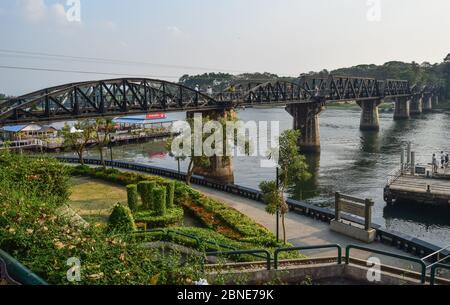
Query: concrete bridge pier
[428, 104]
[220, 169]
[417, 105]
[306, 119]
[436, 99]
[402, 109]
[370, 117]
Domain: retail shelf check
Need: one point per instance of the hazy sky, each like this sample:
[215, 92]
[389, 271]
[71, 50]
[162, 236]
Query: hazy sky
[287, 37]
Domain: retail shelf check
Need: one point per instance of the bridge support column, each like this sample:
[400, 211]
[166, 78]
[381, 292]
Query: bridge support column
[417, 105]
[402, 109]
[436, 99]
[428, 104]
[370, 117]
[220, 169]
[306, 119]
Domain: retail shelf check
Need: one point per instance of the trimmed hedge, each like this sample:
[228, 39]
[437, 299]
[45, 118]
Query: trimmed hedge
[121, 220]
[170, 187]
[213, 214]
[145, 189]
[173, 217]
[132, 195]
[159, 200]
[247, 228]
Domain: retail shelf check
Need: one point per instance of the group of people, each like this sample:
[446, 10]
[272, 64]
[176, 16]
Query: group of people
[442, 163]
[209, 90]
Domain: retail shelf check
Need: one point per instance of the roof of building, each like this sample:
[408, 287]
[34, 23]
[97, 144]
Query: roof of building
[29, 127]
[15, 128]
[140, 120]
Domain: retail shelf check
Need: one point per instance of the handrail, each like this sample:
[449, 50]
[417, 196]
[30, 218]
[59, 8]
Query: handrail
[437, 253]
[433, 272]
[198, 240]
[403, 257]
[278, 251]
[19, 272]
[266, 253]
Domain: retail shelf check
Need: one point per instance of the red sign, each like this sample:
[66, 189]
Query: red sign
[157, 155]
[156, 116]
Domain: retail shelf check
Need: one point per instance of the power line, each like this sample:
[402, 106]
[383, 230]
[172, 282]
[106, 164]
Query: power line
[17, 53]
[122, 74]
[83, 72]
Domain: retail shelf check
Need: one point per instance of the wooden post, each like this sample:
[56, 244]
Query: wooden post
[368, 219]
[337, 216]
[408, 154]
[402, 160]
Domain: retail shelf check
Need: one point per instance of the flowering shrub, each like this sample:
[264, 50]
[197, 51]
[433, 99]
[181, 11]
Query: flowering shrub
[34, 232]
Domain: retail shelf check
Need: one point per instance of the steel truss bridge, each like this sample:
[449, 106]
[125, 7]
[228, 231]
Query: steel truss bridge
[114, 97]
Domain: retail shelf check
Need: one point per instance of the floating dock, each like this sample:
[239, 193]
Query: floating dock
[419, 185]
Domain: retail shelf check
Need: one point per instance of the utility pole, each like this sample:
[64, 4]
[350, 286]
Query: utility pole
[111, 154]
[278, 209]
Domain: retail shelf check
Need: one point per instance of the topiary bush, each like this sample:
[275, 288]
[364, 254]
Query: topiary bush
[145, 191]
[121, 219]
[172, 218]
[170, 187]
[132, 194]
[159, 200]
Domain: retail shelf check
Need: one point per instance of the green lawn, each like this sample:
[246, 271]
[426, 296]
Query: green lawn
[94, 199]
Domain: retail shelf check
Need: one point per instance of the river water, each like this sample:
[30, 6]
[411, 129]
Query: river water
[351, 162]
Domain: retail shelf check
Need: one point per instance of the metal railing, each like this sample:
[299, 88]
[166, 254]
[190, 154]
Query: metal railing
[280, 250]
[434, 270]
[437, 260]
[19, 272]
[199, 241]
[394, 255]
[255, 252]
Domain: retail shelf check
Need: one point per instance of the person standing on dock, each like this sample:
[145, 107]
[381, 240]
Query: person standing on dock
[435, 164]
[442, 159]
[446, 160]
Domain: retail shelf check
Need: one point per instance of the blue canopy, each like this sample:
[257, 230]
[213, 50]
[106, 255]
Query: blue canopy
[15, 128]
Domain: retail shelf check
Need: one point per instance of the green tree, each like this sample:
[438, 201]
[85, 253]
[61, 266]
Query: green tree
[103, 128]
[292, 169]
[79, 138]
[204, 161]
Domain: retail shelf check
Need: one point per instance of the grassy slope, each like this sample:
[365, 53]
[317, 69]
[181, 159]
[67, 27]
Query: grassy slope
[94, 199]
